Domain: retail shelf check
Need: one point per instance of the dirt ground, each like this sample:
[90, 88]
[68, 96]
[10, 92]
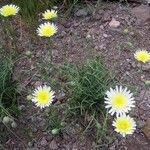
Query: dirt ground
[79, 38]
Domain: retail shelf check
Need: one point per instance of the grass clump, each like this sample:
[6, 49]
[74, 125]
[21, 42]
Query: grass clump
[86, 86]
[8, 92]
[31, 8]
[56, 120]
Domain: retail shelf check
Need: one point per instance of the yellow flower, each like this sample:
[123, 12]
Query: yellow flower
[119, 100]
[43, 96]
[9, 10]
[49, 14]
[124, 125]
[47, 29]
[143, 56]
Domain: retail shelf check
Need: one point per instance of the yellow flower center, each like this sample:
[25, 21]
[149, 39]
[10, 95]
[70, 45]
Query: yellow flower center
[43, 97]
[50, 16]
[48, 31]
[124, 125]
[143, 56]
[8, 11]
[119, 101]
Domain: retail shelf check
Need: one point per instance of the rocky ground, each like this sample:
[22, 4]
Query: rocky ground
[113, 31]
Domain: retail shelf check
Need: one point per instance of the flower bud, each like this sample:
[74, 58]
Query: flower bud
[6, 120]
[55, 131]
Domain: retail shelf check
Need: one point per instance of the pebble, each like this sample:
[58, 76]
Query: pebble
[38, 83]
[146, 129]
[114, 23]
[83, 12]
[146, 67]
[43, 142]
[142, 12]
[105, 35]
[53, 145]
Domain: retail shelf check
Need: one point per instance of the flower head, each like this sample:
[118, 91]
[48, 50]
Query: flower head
[47, 29]
[9, 10]
[43, 96]
[119, 100]
[49, 14]
[143, 56]
[124, 125]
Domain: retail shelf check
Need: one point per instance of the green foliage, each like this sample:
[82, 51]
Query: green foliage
[8, 91]
[28, 9]
[56, 118]
[86, 86]
[31, 8]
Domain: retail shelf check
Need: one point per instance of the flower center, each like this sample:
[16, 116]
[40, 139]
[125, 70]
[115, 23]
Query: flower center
[143, 56]
[48, 31]
[124, 126]
[43, 97]
[119, 101]
[49, 16]
[9, 11]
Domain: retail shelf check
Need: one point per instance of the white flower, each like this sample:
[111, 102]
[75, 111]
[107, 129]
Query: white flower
[43, 96]
[47, 29]
[119, 100]
[49, 14]
[124, 125]
[9, 10]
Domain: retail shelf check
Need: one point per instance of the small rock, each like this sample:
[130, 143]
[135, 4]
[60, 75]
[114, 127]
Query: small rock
[146, 67]
[88, 36]
[102, 27]
[83, 12]
[38, 83]
[105, 35]
[142, 12]
[114, 23]
[53, 145]
[44, 142]
[112, 147]
[146, 129]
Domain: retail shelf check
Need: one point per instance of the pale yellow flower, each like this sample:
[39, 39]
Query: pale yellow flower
[119, 100]
[9, 10]
[49, 14]
[47, 29]
[43, 96]
[143, 56]
[124, 125]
